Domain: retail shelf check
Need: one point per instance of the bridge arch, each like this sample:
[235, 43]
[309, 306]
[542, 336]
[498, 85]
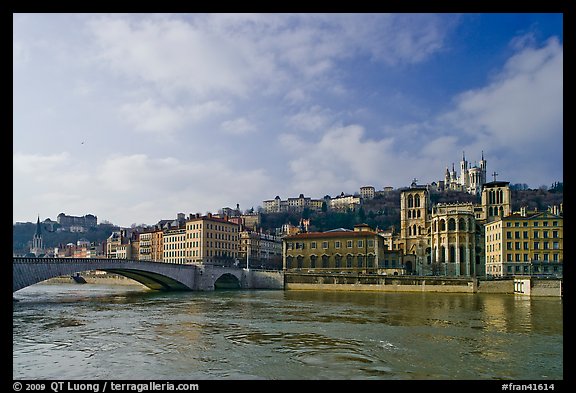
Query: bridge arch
[227, 281]
[154, 275]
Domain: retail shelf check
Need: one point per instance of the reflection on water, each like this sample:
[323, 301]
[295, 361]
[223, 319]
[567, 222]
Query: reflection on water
[113, 332]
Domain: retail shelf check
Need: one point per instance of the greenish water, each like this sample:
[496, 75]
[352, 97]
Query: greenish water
[67, 331]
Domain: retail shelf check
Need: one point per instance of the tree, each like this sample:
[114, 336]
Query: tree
[324, 207]
[361, 214]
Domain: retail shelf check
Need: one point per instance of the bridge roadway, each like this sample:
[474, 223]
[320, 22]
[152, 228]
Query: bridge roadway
[154, 275]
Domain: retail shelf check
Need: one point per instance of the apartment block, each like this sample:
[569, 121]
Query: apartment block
[525, 244]
[211, 240]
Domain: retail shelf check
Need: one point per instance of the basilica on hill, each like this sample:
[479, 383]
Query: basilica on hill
[471, 178]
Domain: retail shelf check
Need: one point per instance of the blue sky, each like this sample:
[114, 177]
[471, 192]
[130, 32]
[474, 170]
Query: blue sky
[136, 117]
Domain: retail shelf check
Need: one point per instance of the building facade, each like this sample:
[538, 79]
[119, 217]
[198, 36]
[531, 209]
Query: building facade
[525, 244]
[259, 250]
[342, 250]
[174, 243]
[211, 240]
[453, 240]
[87, 221]
[496, 201]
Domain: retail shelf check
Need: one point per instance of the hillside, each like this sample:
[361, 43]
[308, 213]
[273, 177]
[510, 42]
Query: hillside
[381, 212]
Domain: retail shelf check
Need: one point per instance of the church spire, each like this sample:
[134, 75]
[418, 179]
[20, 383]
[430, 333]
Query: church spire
[38, 227]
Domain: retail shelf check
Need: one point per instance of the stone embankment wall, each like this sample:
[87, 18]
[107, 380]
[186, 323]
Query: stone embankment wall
[263, 279]
[367, 282]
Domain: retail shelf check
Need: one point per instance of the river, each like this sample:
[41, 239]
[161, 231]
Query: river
[92, 331]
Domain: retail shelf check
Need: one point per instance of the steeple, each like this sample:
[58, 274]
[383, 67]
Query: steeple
[38, 228]
[37, 243]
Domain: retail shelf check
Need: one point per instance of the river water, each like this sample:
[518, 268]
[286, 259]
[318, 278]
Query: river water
[68, 331]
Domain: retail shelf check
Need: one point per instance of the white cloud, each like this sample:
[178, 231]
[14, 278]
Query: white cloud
[522, 108]
[239, 126]
[150, 116]
[341, 158]
[315, 118]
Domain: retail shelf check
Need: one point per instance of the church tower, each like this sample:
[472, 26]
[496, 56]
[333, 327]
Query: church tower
[483, 169]
[464, 172]
[37, 242]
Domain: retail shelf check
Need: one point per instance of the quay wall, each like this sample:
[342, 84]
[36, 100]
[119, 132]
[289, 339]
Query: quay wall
[533, 286]
[368, 282]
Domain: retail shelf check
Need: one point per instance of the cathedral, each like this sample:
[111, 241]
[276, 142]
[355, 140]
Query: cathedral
[471, 178]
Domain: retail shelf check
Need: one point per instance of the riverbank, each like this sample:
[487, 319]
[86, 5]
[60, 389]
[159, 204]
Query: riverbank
[527, 286]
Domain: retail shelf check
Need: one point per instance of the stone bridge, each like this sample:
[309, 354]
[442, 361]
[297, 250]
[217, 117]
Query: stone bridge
[154, 275]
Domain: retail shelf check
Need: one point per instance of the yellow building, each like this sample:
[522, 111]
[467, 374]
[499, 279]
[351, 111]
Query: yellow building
[341, 250]
[525, 244]
[174, 245]
[211, 240]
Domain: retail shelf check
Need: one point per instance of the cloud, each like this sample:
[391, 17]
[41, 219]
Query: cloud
[239, 126]
[343, 157]
[239, 54]
[517, 115]
[315, 118]
[153, 117]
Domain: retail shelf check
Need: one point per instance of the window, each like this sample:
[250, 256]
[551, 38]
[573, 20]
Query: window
[545, 234]
[313, 245]
[535, 223]
[349, 260]
[508, 235]
[370, 261]
[545, 223]
[349, 243]
[338, 261]
[545, 245]
[536, 245]
[360, 243]
[555, 234]
[517, 235]
[325, 261]
[525, 234]
[517, 257]
[324, 244]
[526, 245]
[509, 245]
[509, 257]
[370, 243]
[546, 257]
[525, 257]
[360, 260]
[337, 244]
[517, 246]
[313, 261]
[555, 245]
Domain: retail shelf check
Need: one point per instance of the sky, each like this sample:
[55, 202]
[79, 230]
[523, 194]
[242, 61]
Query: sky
[135, 118]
